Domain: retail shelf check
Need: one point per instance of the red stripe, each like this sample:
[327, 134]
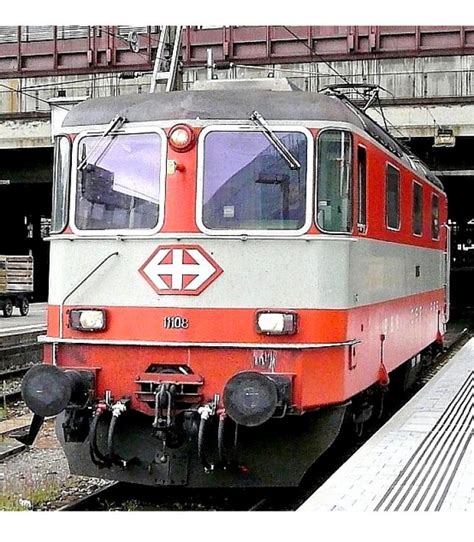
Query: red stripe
[323, 376]
[222, 325]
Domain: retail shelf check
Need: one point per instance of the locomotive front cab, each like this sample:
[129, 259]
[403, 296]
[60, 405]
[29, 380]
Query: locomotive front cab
[111, 184]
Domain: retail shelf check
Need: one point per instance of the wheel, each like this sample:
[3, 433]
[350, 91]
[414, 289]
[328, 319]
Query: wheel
[359, 429]
[7, 308]
[24, 306]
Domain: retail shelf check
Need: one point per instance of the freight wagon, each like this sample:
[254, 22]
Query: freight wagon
[16, 284]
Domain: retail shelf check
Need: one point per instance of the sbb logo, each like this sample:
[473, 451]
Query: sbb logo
[180, 270]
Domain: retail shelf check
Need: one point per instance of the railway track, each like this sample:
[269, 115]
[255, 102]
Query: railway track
[15, 360]
[16, 346]
[102, 495]
[121, 496]
[10, 383]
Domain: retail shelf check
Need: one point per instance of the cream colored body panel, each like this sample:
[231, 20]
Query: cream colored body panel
[324, 272]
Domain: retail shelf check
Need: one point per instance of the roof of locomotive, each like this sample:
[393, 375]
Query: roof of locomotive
[233, 104]
[212, 105]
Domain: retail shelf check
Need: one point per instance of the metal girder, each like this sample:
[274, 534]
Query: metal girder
[58, 50]
[269, 44]
[98, 49]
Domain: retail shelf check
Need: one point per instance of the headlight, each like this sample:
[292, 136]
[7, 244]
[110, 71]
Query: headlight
[181, 137]
[87, 319]
[276, 323]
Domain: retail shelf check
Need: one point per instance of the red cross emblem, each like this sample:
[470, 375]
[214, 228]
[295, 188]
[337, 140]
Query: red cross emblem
[180, 270]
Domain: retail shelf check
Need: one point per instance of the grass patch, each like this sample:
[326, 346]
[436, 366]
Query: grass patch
[9, 503]
[33, 496]
[131, 505]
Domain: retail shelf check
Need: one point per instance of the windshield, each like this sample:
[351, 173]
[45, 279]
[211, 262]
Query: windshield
[118, 183]
[248, 185]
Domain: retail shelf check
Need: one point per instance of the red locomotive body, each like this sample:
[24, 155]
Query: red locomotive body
[232, 274]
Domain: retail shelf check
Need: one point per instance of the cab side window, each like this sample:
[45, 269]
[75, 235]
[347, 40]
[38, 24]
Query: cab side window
[334, 205]
[392, 198]
[362, 174]
[435, 216]
[61, 178]
[417, 209]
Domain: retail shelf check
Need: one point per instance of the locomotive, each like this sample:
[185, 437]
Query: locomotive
[234, 272]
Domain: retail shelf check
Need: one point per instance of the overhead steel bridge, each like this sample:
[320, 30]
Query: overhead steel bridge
[34, 51]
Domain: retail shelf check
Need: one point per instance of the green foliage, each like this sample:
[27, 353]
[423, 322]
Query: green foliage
[9, 503]
[131, 505]
[32, 497]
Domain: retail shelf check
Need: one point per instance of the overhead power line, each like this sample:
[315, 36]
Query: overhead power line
[314, 54]
[30, 95]
[322, 59]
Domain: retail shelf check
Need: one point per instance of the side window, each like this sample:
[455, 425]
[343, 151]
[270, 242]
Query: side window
[334, 181]
[417, 209]
[392, 198]
[362, 174]
[435, 216]
[61, 177]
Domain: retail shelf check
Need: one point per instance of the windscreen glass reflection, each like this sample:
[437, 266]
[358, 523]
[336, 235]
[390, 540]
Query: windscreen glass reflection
[118, 186]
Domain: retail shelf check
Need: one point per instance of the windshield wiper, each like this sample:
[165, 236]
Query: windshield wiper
[116, 123]
[259, 121]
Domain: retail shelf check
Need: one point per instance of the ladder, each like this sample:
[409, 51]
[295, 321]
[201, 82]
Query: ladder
[165, 69]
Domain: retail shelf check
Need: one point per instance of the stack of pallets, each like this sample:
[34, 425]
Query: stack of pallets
[16, 274]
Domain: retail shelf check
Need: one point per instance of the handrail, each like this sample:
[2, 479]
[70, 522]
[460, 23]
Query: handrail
[447, 271]
[76, 287]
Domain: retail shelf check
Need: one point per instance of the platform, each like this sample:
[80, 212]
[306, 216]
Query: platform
[16, 324]
[19, 338]
[422, 459]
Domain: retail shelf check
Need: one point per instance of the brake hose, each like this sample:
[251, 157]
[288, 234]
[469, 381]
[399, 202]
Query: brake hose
[96, 456]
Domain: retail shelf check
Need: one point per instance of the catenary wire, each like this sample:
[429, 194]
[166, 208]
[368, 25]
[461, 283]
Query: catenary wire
[318, 56]
[30, 95]
[313, 53]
